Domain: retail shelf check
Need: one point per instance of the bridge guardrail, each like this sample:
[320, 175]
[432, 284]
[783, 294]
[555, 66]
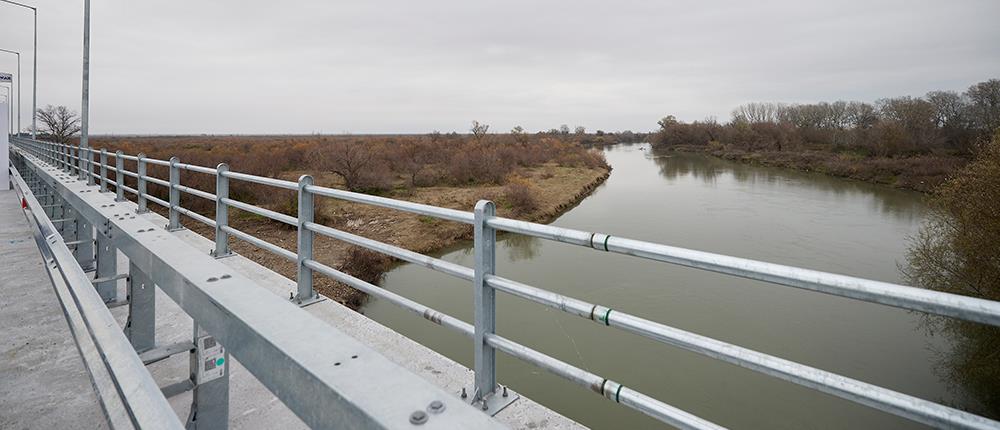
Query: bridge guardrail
[129, 396]
[486, 282]
[312, 367]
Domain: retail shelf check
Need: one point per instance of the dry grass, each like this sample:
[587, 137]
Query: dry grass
[558, 174]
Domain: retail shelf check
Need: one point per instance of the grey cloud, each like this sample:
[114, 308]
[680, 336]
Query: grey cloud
[413, 66]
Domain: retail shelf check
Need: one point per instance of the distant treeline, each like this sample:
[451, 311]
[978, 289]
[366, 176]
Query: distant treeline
[941, 122]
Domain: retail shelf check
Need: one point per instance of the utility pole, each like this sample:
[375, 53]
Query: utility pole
[85, 104]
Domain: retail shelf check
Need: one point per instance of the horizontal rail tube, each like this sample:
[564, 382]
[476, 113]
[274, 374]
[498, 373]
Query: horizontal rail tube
[262, 244]
[437, 264]
[199, 169]
[417, 208]
[605, 387]
[157, 181]
[267, 213]
[919, 299]
[157, 200]
[196, 192]
[164, 163]
[195, 216]
[288, 185]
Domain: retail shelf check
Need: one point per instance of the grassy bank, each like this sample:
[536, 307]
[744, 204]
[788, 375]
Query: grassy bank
[533, 178]
[919, 173]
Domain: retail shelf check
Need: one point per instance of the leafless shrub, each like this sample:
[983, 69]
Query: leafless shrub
[365, 264]
[520, 195]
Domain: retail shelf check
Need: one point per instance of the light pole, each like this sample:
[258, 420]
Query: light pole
[34, 72]
[18, 89]
[85, 104]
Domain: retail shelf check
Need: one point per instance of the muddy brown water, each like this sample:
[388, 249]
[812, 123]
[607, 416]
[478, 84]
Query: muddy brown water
[708, 204]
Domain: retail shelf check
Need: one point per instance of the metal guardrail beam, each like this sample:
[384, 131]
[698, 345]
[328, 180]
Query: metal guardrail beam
[312, 367]
[136, 395]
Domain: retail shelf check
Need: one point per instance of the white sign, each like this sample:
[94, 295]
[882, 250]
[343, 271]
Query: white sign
[6, 77]
[4, 175]
[211, 358]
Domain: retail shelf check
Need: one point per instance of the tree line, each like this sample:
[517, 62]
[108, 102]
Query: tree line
[939, 122]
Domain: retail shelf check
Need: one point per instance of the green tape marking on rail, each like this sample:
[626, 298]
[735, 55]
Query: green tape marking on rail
[617, 392]
[606, 242]
[606, 317]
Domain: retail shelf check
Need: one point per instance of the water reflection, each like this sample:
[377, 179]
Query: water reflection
[520, 247]
[904, 205]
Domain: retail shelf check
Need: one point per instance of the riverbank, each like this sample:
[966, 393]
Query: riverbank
[556, 189]
[918, 173]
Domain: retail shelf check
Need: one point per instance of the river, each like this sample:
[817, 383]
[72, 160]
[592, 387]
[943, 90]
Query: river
[699, 202]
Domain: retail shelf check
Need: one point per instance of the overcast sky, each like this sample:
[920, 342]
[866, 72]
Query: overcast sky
[239, 66]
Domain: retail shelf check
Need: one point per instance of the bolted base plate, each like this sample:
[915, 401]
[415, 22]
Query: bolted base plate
[494, 403]
[303, 303]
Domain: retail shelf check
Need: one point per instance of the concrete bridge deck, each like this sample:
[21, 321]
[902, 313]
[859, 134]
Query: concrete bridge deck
[43, 381]
[48, 393]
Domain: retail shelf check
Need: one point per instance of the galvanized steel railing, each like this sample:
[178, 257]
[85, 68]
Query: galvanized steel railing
[486, 282]
[129, 396]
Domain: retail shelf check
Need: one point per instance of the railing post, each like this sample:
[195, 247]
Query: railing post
[119, 176]
[210, 375]
[484, 301]
[104, 170]
[90, 166]
[221, 211]
[141, 325]
[175, 195]
[79, 162]
[140, 185]
[305, 241]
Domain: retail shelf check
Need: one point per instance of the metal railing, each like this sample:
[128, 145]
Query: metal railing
[128, 394]
[312, 367]
[485, 282]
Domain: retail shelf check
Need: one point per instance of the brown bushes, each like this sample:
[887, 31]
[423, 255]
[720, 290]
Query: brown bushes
[369, 164]
[520, 195]
[365, 264]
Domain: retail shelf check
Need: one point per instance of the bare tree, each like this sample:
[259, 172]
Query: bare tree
[356, 162]
[479, 130]
[985, 105]
[59, 123]
[580, 130]
[519, 135]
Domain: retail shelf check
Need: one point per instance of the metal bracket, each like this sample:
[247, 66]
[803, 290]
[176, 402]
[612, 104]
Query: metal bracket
[177, 388]
[494, 403]
[117, 304]
[110, 278]
[163, 352]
